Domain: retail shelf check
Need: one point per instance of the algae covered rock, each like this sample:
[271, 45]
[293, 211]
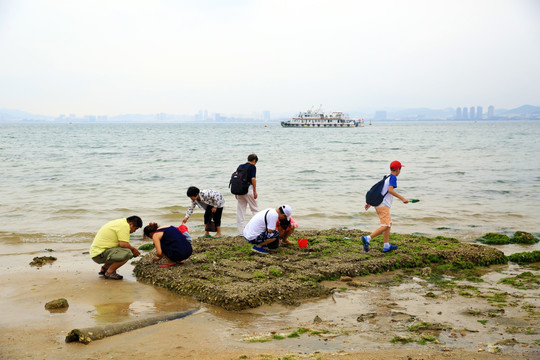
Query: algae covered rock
[225, 272]
[526, 257]
[522, 237]
[42, 260]
[494, 239]
[57, 304]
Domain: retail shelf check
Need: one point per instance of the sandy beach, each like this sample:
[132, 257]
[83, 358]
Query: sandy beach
[114, 109]
[353, 323]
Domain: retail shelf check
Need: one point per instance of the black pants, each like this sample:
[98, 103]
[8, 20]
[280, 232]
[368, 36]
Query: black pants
[209, 215]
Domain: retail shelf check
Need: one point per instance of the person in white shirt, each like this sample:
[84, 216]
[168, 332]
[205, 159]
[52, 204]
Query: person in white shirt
[261, 231]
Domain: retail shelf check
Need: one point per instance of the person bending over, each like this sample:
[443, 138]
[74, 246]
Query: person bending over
[212, 202]
[111, 245]
[170, 243]
[261, 231]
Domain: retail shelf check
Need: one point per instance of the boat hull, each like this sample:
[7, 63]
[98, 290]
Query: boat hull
[319, 125]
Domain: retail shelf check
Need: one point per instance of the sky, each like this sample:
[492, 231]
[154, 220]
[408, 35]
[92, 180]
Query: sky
[111, 57]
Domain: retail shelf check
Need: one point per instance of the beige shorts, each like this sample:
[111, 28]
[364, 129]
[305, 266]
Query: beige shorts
[384, 215]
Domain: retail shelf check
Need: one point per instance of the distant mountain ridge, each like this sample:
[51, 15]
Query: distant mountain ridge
[524, 109]
[7, 115]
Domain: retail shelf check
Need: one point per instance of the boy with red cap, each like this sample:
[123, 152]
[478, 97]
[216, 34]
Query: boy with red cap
[383, 210]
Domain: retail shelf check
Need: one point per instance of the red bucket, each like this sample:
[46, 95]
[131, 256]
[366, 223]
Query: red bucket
[302, 243]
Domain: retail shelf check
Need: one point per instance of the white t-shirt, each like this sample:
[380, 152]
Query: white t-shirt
[387, 200]
[257, 225]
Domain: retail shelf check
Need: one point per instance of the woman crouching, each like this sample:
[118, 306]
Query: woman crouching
[170, 243]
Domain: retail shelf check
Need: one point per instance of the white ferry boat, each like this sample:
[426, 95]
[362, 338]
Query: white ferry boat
[317, 118]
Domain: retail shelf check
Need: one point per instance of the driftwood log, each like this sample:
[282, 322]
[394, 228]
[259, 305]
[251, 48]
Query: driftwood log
[87, 335]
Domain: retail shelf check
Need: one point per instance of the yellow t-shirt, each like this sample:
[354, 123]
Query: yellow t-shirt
[109, 236]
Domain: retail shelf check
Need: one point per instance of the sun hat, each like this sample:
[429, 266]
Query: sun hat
[286, 209]
[394, 165]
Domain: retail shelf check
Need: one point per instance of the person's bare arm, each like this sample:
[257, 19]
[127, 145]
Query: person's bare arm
[394, 192]
[157, 245]
[127, 245]
[254, 183]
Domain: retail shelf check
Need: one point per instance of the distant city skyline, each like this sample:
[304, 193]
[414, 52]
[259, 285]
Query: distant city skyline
[472, 113]
[107, 58]
[460, 113]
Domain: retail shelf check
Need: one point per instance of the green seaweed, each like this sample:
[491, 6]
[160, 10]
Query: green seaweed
[526, 257]
[226, 273]
[524, 281]
[259, 274]
[425, 339]
[146, 247]
[274, 271]
[521, 237]
[401, 339]
[496, 297]
[42, 260]
[494, 239]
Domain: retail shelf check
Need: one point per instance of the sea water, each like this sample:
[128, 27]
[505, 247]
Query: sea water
[61, 182]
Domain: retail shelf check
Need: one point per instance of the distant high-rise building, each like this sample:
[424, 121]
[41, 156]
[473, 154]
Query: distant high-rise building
[479, 113]
[491, 112]
[465, 113]
[266, 115]
[458, 113]
[471, 113]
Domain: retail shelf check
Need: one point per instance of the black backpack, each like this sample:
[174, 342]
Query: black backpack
[239, 182]
[374, 196]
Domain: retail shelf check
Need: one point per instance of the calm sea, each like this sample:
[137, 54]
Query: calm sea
[61, 182]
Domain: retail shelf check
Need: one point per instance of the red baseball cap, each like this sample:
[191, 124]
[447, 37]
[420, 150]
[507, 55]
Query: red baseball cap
[394, 165]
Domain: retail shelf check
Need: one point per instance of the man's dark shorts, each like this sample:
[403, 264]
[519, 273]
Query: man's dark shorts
[265, 235]
[112, 255]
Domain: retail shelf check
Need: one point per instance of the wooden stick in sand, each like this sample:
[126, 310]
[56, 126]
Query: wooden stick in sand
[87, 335]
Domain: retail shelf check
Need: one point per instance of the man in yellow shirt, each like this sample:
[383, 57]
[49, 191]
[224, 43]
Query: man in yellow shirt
[111, 245]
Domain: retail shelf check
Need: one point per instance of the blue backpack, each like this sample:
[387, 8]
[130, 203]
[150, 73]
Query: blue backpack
[374, 196]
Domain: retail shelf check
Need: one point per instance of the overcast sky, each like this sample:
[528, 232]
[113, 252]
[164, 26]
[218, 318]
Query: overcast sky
[109, 57]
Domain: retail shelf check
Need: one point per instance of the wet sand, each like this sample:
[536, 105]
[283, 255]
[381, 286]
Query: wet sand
[353, 323]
